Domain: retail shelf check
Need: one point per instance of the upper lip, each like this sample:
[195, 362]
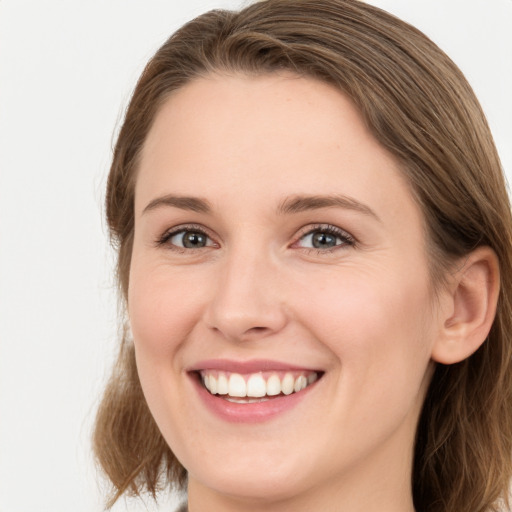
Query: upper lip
[252, 366]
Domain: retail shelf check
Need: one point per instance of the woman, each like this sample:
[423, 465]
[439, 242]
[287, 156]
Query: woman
[315, 252]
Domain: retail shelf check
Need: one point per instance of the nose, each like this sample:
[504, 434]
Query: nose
[247, 303]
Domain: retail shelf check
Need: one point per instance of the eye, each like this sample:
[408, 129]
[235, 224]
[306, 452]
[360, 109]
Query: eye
[325, 238]
[186, 238]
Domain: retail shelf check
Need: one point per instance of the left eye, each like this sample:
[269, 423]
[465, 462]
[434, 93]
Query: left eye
[189, 239]
[324, 239]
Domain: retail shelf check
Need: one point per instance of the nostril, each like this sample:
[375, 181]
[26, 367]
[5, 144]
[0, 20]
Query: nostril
[245, 320]
[256, 331]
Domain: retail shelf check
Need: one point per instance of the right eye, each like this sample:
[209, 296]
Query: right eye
[187, 239]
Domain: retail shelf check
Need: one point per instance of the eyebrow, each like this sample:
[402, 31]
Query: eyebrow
[297, 204]
[294, 204]
[194, 204]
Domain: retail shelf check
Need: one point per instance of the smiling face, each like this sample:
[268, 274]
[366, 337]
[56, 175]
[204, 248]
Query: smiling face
[279, 253]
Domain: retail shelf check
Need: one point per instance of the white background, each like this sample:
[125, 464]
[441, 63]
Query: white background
[67, 69]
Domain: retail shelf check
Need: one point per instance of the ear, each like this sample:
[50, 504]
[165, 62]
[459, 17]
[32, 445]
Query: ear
[468, 312]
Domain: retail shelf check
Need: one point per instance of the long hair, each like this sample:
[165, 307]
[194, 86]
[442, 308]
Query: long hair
[419, 107]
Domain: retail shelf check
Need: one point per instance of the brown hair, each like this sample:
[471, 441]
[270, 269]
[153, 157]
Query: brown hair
[422, 110]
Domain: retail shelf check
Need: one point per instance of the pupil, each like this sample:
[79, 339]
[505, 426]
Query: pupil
[322, 240]
[193, 240]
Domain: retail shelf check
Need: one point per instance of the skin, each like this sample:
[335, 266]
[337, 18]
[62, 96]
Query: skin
[362, 312]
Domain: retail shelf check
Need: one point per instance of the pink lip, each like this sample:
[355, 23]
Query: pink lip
[244, 367]
[256, 412]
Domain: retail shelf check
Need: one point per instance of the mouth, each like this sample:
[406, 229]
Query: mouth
[256, 387]
[252, 391]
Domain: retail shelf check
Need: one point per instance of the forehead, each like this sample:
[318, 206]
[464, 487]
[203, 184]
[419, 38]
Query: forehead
[263, 138]
[257, 111]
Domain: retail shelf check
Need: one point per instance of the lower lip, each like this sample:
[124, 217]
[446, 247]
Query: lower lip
[255, 412]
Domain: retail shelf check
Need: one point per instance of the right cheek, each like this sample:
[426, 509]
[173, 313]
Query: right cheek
[150, 324]
[161, 315]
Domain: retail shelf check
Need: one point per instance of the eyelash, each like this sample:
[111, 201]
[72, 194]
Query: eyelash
[347, 240]
[164, 239]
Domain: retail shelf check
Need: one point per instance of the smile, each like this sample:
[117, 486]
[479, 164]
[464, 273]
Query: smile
[256, 387]
[252, 391]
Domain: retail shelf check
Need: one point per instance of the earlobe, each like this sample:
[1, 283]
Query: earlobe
[470, 308]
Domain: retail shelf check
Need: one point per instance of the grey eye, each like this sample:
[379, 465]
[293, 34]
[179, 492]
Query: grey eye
[320, 240]
[190, 239]
[323, 240]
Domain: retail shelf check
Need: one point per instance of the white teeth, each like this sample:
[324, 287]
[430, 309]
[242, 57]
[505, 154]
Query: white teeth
[253, 388]
[213, 385]
[273, 385]
[246, 400]
[300, 384]
[256, 386]
[237, 386]
[288, 384]
[222, 385]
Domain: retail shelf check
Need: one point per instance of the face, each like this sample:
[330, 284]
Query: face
[279, 253]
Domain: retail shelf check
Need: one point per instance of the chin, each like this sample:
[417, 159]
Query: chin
[251, 484]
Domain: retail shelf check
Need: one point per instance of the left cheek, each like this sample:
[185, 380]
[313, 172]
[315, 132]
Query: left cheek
[381, 350]
[359, 319]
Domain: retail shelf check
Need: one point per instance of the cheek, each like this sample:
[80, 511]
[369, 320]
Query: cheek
[162, 310]
[373, 320]
[378, 332]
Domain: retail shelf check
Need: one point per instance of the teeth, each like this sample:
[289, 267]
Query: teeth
[300, 384]
[273, 385]
[222, 385]
[237, 386]
[246, 400]
[256, 385]
[287, 385]
[213, 385]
